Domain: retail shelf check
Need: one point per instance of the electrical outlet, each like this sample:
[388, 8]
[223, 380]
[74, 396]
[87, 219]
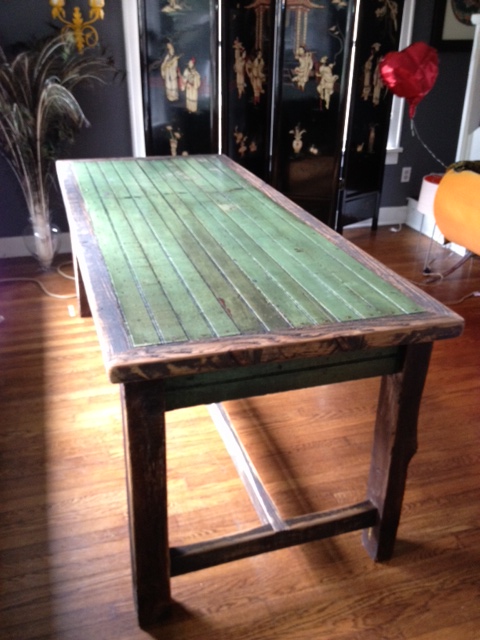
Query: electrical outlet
[406, 174]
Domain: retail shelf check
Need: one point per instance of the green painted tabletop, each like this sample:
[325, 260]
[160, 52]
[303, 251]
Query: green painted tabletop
[196, 251]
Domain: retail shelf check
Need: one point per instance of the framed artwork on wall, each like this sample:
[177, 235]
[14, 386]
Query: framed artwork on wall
[452, 29]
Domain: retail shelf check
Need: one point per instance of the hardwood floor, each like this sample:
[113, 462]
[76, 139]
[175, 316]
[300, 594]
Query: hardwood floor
[64, 550]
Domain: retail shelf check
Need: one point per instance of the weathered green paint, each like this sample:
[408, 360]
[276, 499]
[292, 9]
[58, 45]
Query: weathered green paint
[194, 252]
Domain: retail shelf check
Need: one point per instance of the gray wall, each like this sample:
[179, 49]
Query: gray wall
[437, 119]
[106, 107]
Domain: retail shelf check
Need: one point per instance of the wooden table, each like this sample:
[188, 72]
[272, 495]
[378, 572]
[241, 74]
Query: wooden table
[206, 285]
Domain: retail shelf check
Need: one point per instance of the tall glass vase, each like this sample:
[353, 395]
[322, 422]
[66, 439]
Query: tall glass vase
[42, 240]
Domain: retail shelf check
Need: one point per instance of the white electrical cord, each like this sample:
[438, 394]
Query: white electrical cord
[42, 286]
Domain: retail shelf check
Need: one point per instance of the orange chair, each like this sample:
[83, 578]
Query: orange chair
[457, 205]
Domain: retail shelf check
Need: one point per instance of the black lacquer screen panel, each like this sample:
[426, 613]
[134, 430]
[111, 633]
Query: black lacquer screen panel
[283, 87]
[179, 51]
[364, 161]
[311, 106]
[249, 37]
[285, 75]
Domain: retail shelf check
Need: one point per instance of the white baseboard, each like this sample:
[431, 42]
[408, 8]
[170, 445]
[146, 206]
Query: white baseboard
[392, 215]
[386, 216]
[14, 247]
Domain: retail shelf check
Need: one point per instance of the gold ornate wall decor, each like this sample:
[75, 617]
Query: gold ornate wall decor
[84, 33]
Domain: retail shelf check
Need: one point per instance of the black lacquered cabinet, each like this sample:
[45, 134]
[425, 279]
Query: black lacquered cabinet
[280, 87]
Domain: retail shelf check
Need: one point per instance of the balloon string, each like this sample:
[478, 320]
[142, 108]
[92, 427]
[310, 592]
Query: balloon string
[415, 133]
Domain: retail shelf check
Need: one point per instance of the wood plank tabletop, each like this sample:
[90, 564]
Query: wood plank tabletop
[188, 256]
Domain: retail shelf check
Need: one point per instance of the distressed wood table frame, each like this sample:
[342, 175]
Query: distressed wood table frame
[206, 285]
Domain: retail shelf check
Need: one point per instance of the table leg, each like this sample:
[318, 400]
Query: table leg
[395, 443]
[83, 306]
[145, 454]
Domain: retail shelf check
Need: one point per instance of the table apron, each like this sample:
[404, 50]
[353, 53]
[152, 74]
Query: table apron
[243, 382]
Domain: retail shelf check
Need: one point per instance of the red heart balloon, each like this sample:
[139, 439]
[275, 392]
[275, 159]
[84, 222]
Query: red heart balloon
[410, 73]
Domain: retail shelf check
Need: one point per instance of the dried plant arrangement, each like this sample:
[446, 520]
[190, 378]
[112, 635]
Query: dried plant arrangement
[40, 116]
